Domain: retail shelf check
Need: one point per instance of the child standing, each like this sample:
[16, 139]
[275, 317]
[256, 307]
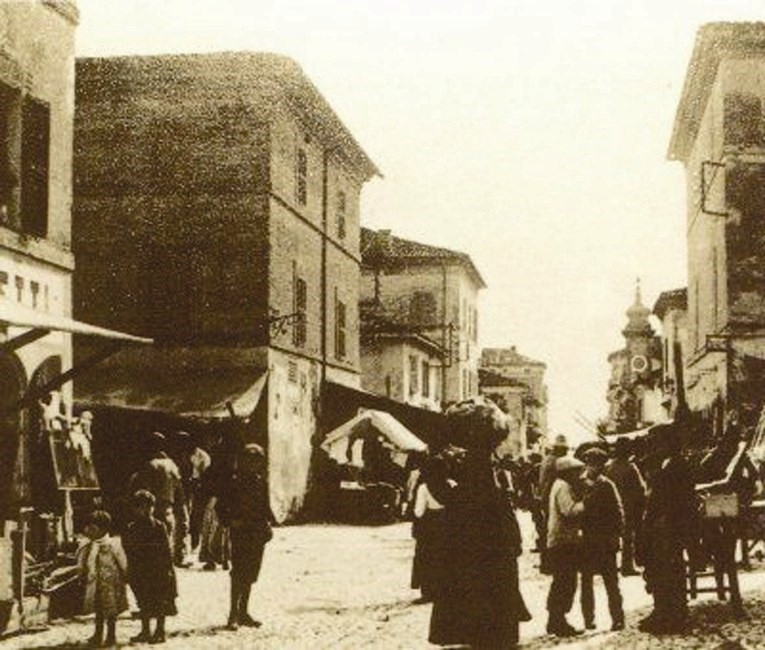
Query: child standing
[151, 572]
[103, 566]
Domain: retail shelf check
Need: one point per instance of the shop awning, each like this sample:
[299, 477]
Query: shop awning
[16, 315]
[187, 382]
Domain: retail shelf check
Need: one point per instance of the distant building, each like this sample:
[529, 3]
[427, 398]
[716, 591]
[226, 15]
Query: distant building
[217, 209]
[635, 387]
[399, 361]
[719, 136]
[435, 292]
[671, 308]
[516, 384]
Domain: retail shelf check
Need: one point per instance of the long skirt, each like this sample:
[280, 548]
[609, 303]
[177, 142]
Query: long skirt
[215, 546]
[480, 615]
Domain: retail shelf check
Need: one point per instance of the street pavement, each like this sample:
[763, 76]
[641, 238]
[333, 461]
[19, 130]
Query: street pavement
[337, 587]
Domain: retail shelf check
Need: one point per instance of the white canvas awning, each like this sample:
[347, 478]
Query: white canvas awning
[366, 423]
[16, 315]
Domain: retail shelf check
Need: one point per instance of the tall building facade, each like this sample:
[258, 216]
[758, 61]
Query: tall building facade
[671, 308]
[217, 207]
[435, 292]
[719, 138]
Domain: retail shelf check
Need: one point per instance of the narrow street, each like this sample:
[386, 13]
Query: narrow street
[347, 587]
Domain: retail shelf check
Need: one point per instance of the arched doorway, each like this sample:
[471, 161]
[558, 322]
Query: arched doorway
[14, 465]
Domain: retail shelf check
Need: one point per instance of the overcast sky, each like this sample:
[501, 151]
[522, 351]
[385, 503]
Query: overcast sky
[531, 134]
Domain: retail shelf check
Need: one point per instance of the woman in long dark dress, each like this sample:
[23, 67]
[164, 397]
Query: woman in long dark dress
[480, 605]
[150, 568]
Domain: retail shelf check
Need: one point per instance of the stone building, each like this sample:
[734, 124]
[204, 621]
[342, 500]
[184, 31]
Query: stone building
[719, 136]
[635, 386]
[671, 308]
[217, 208]
[517, 384]
[399, 361]
[435, 292]
[40, 467]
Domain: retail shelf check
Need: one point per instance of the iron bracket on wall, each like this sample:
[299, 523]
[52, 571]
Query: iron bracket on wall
[704, 186]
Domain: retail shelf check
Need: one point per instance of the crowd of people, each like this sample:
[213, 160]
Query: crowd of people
[225, 501]
[597, 512]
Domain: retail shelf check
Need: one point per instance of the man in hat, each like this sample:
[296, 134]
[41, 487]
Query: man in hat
[558, 449]
[244, 507]
[631, 487]
[564, 543]
[602, 523]
[161, 476]
[669, 523]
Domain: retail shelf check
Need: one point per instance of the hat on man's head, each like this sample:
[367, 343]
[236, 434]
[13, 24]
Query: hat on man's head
[560, 441]
[567, 463]
[596, 455]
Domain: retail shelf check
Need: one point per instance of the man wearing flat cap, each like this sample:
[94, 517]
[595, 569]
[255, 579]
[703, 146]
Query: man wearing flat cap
[244, 508]
[547, 474]
[602, 524]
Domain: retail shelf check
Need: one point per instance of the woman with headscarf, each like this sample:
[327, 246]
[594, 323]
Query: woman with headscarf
[480, 604]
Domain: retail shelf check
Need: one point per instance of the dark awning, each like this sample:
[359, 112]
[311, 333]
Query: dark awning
[188, 382]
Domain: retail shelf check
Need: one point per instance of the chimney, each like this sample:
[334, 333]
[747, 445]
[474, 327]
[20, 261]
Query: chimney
[383, 241]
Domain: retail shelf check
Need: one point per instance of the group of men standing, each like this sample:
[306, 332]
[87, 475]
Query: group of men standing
[596, 504]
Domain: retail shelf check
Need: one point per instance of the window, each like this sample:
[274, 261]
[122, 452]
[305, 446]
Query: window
[300, 301]
[341, 214]
[742, 120]
[35, 145]
[414, 372]
[422, 308]
[292, 372]
[465, 390]
[425, 378]
[301, 175]
[340, 328]
[475, 325]
[9, 181]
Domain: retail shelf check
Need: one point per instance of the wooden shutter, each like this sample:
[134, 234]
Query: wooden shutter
[35, 154]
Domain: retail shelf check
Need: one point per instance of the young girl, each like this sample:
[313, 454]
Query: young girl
[103, 566]
[152, 576]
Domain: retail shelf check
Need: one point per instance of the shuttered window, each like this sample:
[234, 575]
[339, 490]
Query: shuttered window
[35, 152]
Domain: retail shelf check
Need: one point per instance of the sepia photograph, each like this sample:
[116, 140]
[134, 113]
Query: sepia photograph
[383, 324]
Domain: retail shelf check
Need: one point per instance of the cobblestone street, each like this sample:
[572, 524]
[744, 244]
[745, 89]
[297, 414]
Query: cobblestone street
[347, 587]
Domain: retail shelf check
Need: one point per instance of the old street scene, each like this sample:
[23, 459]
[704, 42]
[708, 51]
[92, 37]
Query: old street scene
[382, 325]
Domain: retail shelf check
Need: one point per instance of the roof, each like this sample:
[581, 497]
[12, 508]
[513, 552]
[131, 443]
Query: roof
[674, 299]
[366, 423]
[714, 43]
[16, 315]
[187, 382]
[381, 248]
[491, 379]
[508, 357]
[227, 76]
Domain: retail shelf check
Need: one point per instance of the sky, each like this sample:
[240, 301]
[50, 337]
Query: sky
[530, 134]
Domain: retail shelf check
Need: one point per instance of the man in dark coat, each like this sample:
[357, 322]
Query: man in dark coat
[668, 525]
[631, 487]
[245, 509]
[602, 523]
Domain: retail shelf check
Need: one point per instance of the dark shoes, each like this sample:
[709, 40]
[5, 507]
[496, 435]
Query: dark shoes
[247, 621]
[654, 625]
[617, 625]
[589, 625]
[157, 637]
[142, 637]
[233, 623]
[562, 628]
